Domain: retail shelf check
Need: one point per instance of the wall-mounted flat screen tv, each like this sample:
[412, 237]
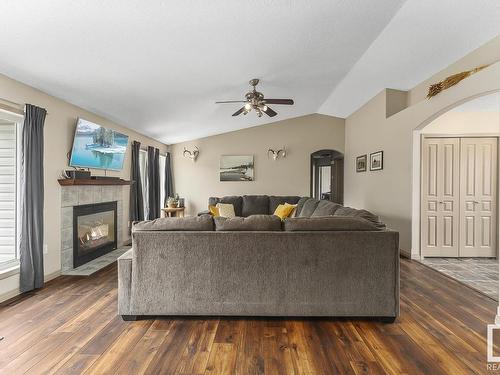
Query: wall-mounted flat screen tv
[95, 146]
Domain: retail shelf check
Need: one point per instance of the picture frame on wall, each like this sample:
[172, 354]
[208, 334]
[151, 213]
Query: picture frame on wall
[236, 168]
[361, 163]
[377, 161]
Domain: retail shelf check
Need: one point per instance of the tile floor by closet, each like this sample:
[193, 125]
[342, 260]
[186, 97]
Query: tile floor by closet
[478, 273]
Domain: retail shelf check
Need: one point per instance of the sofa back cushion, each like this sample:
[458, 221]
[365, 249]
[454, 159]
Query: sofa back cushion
[255, 205]
[327, 223]
[235, 200]
[275, 201]
[190, 223]
[325, 208]
[250, 223]
[362, 214]
[308, 207]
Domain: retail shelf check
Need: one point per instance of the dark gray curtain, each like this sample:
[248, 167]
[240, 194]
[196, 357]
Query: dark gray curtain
[136, 198]
[154, 182]
[169, 185]
[31, 236]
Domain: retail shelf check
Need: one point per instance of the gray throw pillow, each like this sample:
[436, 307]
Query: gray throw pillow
[190, 223]
[328, 223]
[251, 223]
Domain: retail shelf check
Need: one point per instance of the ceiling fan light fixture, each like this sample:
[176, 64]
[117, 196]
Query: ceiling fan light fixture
[256, 100]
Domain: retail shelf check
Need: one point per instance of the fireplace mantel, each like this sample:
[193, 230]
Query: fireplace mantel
[90, 181]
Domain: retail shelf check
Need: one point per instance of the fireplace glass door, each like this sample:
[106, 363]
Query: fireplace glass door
[94, 231]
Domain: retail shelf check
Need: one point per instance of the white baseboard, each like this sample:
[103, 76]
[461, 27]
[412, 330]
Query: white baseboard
[15, 292]
[11, 294]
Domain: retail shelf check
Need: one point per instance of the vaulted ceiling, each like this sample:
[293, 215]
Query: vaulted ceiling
[158, 66]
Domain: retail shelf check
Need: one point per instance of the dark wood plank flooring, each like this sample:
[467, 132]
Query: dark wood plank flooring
[71, 326]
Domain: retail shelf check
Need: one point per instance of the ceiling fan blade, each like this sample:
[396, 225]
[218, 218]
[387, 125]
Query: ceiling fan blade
[269, 112]
[239, 111]
[232, 101]
[279, 101]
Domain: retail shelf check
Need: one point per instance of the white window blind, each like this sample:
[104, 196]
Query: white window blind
[8, 183]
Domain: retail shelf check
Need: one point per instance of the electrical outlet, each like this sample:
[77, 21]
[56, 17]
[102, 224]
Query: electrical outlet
[45, 248]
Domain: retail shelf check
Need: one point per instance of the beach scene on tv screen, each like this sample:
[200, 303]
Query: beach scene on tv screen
[97, 147]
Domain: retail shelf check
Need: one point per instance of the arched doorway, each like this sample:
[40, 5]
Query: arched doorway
[327, 175]
[457, 233]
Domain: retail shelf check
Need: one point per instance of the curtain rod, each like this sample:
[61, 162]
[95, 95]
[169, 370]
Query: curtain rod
[15, 110]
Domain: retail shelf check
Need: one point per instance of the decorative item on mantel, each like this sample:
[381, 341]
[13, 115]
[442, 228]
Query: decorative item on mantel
[193, 155]
[276, 153]
[452, 80]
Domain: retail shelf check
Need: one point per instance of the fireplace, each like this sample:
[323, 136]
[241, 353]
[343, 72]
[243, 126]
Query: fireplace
[94, 231]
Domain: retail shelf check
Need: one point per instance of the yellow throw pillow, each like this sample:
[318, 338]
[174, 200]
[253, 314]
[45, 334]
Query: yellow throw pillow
[284, 210]
[214, 211]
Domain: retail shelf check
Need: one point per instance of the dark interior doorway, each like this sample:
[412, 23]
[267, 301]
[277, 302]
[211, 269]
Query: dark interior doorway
[327, 175]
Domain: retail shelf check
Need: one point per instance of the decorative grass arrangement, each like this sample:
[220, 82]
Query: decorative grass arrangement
[452, 81]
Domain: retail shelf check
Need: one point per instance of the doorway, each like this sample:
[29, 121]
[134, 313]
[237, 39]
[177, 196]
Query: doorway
[327, 175]
[459, 163]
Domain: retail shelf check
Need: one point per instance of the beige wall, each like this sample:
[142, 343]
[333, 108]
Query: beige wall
[59, 130]
[463, 123]
[486, 54]
[290, 176]
[389, 192]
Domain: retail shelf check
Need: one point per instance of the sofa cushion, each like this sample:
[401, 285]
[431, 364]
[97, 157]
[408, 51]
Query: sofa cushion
[327, 223]
[275, 201]
[363, 214]
[325, 208]
[190, 223]
[255, 205]
[235, 200]
[250, 223]
[300, 204]
[308, 207]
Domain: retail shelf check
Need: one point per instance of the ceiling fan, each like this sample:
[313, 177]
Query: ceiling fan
[255, 100]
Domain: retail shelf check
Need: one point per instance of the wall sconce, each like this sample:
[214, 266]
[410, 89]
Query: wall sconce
[276, 153]
[193, 155]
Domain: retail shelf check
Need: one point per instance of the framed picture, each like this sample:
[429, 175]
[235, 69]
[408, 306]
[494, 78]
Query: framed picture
[361, 163]
[377, 161]
[236, 168]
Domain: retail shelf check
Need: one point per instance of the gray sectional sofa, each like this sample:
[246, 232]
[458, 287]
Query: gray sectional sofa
[326, 261]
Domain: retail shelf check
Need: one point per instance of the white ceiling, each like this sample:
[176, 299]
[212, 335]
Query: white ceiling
[158, 66]
[423, 38]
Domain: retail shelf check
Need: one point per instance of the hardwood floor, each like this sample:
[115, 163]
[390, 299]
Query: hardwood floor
[71, 327]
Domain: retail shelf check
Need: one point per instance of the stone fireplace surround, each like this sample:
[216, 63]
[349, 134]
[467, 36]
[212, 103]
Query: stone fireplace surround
[85, 194]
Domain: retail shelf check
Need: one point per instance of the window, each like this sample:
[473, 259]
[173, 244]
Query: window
[8, 190]
[163, 159]
[143, 167]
